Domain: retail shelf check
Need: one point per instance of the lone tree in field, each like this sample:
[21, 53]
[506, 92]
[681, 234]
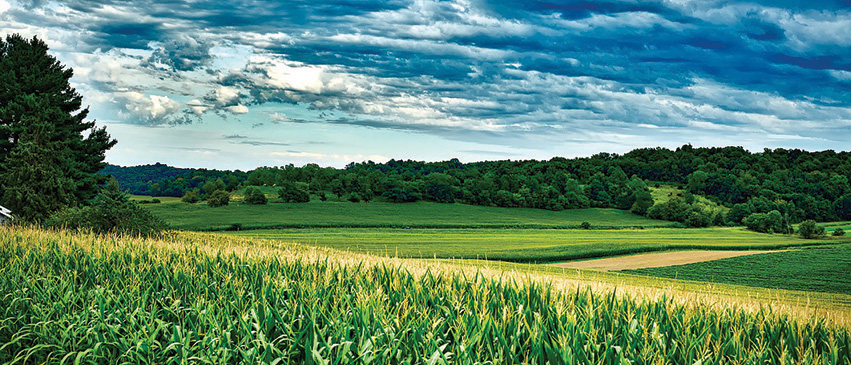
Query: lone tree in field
[49, 153]
[809, 229]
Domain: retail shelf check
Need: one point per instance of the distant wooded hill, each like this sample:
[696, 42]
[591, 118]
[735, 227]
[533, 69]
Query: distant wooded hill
[798, 184]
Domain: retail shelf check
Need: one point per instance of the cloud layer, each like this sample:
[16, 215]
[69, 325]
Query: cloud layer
[540, 75]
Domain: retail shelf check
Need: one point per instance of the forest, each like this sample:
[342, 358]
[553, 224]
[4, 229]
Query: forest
[796, 184]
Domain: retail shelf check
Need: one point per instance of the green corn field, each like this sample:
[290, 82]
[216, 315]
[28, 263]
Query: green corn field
[83, 299]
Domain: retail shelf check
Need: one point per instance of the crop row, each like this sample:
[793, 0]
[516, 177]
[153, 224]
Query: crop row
[63, 301]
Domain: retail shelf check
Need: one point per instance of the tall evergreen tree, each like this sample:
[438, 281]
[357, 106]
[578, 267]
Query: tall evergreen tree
[43, 131]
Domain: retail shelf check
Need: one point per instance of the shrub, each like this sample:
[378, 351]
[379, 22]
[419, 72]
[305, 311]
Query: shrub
[155, 201]
[354, 198]
[698, 219]
[293, 193]
[211, 186]
[255, 196]
[111, 211]
[585, 225]
[838, 232]
[809, 229]
[771, 222]
[643, 202]
[218, 198]
[191, 197]
[719, 219]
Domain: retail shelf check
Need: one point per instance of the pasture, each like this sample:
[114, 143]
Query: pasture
[330, 214]
[529, 245]
[820, 268]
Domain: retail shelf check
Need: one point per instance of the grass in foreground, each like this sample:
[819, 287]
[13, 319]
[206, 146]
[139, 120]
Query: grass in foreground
[822, 269]
[206, 299]
[316, 214]
[524, 245]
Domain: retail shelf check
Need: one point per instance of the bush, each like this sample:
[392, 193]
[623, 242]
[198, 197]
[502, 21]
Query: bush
[585, 225]
[293, 193]
[218, 198]
[255, 196]
[718, 219]
[698, 219]
[401, 194]
[112, 211]
[838, 232]
[643, 202]
[809, 229]
[771, 222]
[191, 197]
[354, 198]
[155, 201]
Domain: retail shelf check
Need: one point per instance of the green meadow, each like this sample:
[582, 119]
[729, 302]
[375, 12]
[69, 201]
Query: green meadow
[528, 245]
[820, 268]
[317, 214]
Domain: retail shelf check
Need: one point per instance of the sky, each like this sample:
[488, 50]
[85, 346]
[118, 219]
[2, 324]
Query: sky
[242, 84]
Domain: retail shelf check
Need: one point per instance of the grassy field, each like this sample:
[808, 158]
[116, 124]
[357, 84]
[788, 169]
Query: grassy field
[316, 214]
[832, 226]
[823, 269]
[202, 298]
[525, 245]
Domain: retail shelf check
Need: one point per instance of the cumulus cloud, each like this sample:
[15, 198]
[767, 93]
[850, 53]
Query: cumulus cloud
[148, 109]
[503, 72]
[183, 53]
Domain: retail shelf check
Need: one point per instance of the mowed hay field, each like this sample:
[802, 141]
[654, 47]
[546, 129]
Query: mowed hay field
[530, 245]
[822, 268]
[204, 298]
[316, 214]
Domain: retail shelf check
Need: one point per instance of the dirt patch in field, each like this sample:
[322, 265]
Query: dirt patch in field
[656, 259]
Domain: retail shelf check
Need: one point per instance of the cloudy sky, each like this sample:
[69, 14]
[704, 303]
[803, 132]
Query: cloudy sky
[240, 84]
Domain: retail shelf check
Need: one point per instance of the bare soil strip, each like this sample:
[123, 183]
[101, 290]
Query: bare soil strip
[656, 259]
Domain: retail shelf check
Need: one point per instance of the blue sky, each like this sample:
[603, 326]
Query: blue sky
[241, 84]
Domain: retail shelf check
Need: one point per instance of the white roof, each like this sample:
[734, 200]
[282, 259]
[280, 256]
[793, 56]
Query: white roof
[5, 212]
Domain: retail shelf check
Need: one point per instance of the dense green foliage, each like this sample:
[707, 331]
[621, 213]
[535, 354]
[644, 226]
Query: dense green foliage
[255, 196]
[798, 184]
[49, 153]
[218, 198]
[138, 180]
[110, 212]
[824, 269]
[291, 192]
[127, 304]
[164, 180]
[809, 229]
[527, 245]
[191, 197]
[771, 222]
[839, 232]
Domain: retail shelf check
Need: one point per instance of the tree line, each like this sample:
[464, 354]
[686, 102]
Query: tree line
[799, 185]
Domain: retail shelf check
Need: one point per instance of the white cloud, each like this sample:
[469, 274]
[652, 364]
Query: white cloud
[197, 107]
[4, 6]
[226, 96]
[238, 109]
[841, 75]
[423, 46]
[150, 109]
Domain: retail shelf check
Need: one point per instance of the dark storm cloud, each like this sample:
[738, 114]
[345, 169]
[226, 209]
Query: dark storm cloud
[474, 68]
